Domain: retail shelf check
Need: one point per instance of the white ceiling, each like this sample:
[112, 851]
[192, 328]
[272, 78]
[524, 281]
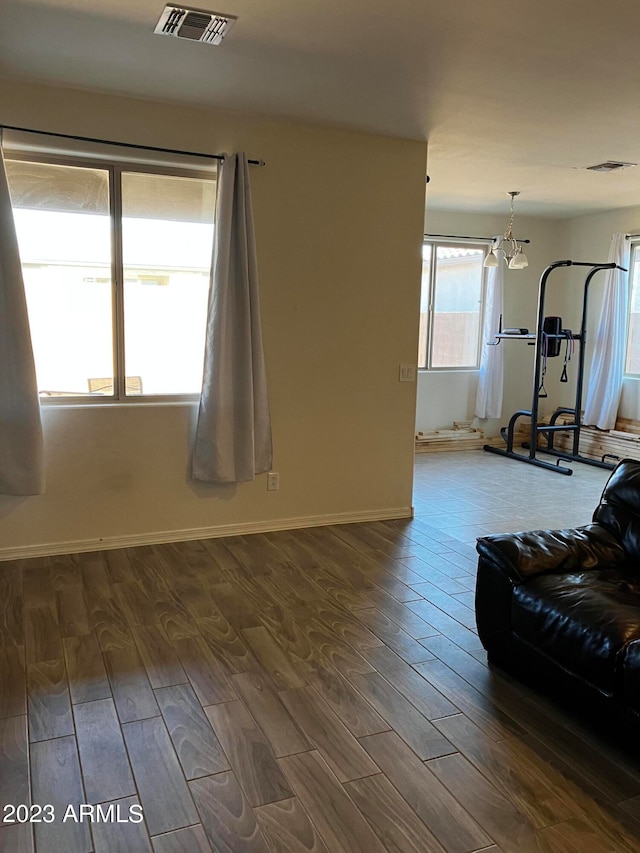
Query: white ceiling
[511, 94]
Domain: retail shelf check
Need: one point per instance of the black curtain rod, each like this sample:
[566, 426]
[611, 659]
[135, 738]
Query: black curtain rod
[459, 237]
[631, 236]
[125, 144]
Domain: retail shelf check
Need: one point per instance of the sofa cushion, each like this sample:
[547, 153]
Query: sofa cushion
[619, 508]
[582, 620]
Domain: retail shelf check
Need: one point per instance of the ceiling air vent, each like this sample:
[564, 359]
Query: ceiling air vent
[609, 166]
[194, 24]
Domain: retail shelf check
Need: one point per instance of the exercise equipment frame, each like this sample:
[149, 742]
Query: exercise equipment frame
[549, 430]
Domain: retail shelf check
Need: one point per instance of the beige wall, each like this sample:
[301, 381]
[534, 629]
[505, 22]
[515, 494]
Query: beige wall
[445, 396]
[338, 225]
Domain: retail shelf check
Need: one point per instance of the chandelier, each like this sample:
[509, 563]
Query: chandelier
[511, 249]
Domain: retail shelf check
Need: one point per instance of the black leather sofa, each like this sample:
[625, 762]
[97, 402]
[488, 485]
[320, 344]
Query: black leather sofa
[561, 608]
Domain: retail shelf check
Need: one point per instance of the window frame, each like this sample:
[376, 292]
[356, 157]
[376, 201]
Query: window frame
[435, 243]
[115, 167]
[634, 246]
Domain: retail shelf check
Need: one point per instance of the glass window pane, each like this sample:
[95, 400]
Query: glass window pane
[64, 235]
[167, 239]
[633, 335]
[424, 306]
[457, 306]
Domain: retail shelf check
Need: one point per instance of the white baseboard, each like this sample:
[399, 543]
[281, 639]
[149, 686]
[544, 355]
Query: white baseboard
[50, 549]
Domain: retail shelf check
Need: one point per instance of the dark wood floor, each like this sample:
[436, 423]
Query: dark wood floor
[316, 690]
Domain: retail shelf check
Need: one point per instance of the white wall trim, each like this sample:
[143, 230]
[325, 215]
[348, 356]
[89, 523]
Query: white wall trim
[50, 549]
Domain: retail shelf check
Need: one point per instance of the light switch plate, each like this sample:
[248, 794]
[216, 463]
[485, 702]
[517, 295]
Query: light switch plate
[407, 373]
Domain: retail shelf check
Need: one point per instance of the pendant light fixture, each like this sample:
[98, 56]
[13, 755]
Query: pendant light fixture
[512, 251]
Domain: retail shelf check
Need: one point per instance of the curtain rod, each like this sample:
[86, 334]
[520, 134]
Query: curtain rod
[125, 144]
[459, 237]
[631, 236]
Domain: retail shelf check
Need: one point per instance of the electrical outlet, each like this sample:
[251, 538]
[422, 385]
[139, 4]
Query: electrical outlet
[273, 481]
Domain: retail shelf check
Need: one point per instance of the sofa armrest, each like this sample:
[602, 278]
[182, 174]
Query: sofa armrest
[523, 555]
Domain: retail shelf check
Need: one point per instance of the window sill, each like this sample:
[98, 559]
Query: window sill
[63, 403]
[436, 370]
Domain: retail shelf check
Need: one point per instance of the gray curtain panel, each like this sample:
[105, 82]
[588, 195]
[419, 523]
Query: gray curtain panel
[233, 433]
[21, 444]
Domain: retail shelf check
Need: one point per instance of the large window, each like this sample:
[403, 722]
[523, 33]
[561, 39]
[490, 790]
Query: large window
[451, 306]
[632, 364]
[116, 262]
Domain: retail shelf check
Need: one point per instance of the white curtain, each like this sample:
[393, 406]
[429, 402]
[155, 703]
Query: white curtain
[233, 434]
[607, 363]
[21, 450]
[491, 379]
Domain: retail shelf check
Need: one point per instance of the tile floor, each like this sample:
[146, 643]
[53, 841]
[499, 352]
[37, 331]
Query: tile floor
[318, 690]
[471, 494]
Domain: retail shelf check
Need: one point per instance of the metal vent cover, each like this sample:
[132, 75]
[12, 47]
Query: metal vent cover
[610, 166]
[194, 24]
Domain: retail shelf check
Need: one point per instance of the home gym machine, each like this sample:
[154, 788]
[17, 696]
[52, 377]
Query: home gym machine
[548, 341]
